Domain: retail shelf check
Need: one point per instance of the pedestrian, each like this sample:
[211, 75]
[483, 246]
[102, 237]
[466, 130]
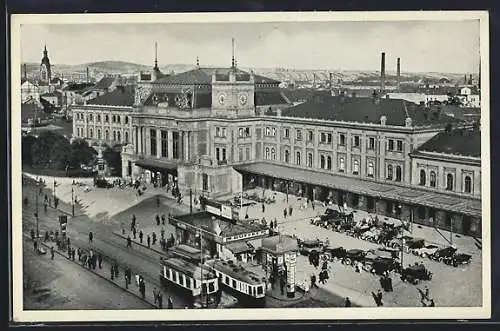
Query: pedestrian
[129, 242]
[290, 209]
[380, 296]
[155, 295]
[51, 252]
[157, 220]
[284, 213]
[347, 302]
[112, 270]
[35, 245]
[432, 304]
[427, 292]
[46, 237]
[99, 258]
[73, 253]
[79, 255]
[163, 219]
[149, 241]
[312, 204]
[313, 281]
[141, 235]
[170, 303]
[282, 285]
[117, 272]
[160, 300]
[132, 225]
[271, 225]
[46, 199]
[45, 207]
[142, 288]
[91, 237]
[154, 238]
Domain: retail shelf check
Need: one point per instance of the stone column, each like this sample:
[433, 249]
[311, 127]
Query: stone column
[170, 145]
[158, 142]
[185, 145]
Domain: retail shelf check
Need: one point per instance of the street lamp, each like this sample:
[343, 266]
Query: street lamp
[54, 192]
[72, 202]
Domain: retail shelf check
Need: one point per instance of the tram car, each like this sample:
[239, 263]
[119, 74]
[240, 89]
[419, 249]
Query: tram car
[244, 284]
[199, 285]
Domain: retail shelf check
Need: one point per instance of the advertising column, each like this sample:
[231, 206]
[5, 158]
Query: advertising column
[290, 262]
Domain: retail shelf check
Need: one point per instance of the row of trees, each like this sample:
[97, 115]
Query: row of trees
[51, 150]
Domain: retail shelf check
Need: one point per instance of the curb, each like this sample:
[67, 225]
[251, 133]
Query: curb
[100, 276]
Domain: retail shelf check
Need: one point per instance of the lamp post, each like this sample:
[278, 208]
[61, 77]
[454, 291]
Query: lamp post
[190, 201]
[72, 202]
[54, 192]
[36, 217]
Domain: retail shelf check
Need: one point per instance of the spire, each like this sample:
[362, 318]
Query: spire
[233, 62]
[156, 55]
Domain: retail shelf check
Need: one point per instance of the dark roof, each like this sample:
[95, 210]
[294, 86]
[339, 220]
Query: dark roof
[465, 142]
[121, 96]
[236, 271]
[270, 98]
[52, 94]
[366, 110]
[104, 83]
[280, 244]
[77, 86]
[204, 76]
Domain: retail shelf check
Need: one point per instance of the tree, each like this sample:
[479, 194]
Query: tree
[27, 143]
[114, 160]
[50, 150]
[81, 153]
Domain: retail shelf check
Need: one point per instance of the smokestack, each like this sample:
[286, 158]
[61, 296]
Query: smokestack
[88, 75]
[382, 72]
[25, 72]
[331, 79]
[399, 73]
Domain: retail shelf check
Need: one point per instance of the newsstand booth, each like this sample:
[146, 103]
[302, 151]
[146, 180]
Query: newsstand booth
[280, 253]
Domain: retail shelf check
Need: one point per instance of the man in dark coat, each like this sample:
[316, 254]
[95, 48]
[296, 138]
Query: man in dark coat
[149, 241]
[52, 252]
[347, 302]
[91, 237]
[99, 257]
[160, 300]
[141, 235]
[170, 303]
[157, 220]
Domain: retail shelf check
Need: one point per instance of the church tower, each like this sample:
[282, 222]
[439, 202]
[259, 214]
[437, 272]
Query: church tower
[45, 72]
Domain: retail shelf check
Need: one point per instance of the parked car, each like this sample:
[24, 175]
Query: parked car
[354, 255]
[425, 251]
[416, 273]
[414, 243]
[396, 242]
[395, 253]
[381, 265]
[458, 259]
[443, 253]
[308, 245]
[335, 252]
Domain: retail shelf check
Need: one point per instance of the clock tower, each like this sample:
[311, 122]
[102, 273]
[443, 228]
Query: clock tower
[233, 93]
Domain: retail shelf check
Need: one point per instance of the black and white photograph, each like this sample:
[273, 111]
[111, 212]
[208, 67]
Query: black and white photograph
[257, 166]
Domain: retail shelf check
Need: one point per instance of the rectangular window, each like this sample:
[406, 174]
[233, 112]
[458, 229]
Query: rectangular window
[342, 139]
[391, 145]
[310, 135]
[299, 135]
[241, 154]
[164, 143]
[268, 131]
[248, 153]
[356, 141]
[223, 132]
[153, 141]
[329, 138]
[274, 132]
[188, 282]
[217, 154]
[287, 133]
[371, 143]
[247, 132]
[400, 145]
[217, 132]
[323, 137]
[241, 132]
[223, 154]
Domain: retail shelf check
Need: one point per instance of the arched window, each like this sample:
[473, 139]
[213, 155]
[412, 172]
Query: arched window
[106, 133]
[91, 133]
[287, 156]
[422, 177]
[449, 182]
[329, 163]
[118, 136]
[309, 160]
[106, 119]
[432, 179]
[98, 133]
[342, 164]
[322, 161]
[126, 119]
[370, 169]
[398, 173]
[98, 117]
[114, 135]
[355, 167]
[468, 184]
[114, 118]
[297, 158]
[390, 173]
[273, 154]
[267, 153]
[126, 136]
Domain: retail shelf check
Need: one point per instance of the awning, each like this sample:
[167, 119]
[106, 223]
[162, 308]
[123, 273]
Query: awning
[239, 247]
[405, 194]
[156, 165]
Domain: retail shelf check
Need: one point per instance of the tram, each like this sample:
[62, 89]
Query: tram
[247, 286]
[199, 284]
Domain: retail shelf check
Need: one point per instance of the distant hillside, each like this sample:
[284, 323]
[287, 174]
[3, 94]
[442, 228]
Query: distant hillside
[122, 67]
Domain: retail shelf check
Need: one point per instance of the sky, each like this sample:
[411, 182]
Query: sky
[423, 46]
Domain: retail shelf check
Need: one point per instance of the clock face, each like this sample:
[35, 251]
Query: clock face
[243, 99]
[222, 99]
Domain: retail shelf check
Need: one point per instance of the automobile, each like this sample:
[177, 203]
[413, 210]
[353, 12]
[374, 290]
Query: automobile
[372, 235]
[396, 242]
[414, 243]
[335, 252]
[381, 265]
[425, 251]
[443, 253]
[354, 255]
[416, 273]
[308, 245]
[458, 259]
[395, 253]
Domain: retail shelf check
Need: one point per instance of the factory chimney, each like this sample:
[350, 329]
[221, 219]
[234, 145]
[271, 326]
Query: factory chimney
[25, 72]
[88, 78]
[382, 72]
[331, 80]
[399, 73]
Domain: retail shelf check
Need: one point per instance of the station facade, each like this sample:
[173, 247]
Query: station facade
[218, 131]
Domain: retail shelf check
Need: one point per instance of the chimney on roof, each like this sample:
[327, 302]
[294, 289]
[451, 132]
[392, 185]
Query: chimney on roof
[88, 78]
[382, 72]
[470, 79]
[399, 73]
[383, 120]
[331, 79]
